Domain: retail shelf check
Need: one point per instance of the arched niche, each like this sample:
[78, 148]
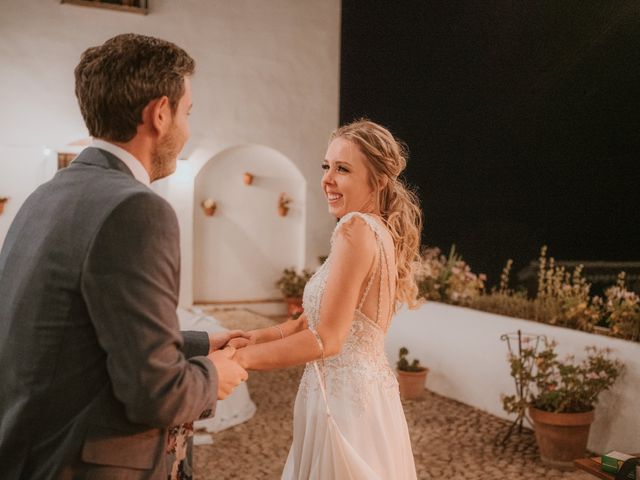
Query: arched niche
[240, 251]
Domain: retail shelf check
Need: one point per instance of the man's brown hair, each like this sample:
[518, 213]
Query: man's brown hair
[115, 81]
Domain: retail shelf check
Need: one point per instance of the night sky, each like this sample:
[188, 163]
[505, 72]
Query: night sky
[522, 120]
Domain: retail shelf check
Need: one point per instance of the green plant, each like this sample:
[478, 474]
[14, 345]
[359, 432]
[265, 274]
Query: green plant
[622, 308]
[560, 386]
[291, 283]
[447, 279]
[504, 300]
[513, 304]
[404, 365]
[563, 298]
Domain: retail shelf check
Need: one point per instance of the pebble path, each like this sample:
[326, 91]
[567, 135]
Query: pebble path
[450, 440]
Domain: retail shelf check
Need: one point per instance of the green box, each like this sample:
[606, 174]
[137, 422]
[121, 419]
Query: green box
[612, 461]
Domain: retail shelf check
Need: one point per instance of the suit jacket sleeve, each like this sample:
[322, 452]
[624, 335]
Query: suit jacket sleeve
[195, 343]
[130, 283]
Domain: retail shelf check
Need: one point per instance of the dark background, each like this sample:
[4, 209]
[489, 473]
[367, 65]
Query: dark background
[522, 120]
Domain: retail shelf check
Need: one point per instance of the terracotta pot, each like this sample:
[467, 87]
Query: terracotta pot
[210, 211]
[412, 383]
[247, 178]
[561, 437]
[294, 305]
[2, 204]
[282, 210]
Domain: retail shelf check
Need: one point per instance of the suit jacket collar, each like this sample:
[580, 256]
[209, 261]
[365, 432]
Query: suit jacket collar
[101, 158]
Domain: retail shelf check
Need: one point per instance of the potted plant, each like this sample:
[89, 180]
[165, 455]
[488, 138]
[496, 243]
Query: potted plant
[3, 201]
[209, 207]
[411, 376]
[283, 204]
[560, 397]
[291, 284]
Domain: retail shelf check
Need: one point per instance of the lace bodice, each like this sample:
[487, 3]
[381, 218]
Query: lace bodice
[362, 363]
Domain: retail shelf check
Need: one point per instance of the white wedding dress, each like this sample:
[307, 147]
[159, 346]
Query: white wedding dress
[348, 422]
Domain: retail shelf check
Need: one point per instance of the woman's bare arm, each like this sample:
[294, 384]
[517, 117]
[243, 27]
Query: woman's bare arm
[352, 258]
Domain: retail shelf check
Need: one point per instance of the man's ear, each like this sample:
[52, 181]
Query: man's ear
[158, 114]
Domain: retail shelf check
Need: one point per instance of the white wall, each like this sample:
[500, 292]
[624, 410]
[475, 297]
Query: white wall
[244, 247]
[267, 73]
[468, 362]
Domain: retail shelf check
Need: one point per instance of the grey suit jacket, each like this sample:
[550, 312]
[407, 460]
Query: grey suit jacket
[91, 367]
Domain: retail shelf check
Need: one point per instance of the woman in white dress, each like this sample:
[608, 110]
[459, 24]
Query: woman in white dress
[348, 420]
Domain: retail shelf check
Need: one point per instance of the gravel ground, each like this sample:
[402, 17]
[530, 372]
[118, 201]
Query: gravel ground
[450, 440]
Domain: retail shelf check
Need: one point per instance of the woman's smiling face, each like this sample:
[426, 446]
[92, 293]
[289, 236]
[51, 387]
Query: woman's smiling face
[346, 181]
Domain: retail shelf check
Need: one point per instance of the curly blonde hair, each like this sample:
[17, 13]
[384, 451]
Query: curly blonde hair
[398, 204]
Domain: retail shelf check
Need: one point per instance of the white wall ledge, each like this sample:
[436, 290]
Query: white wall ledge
[468, 363]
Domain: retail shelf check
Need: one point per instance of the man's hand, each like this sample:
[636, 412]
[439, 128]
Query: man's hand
[220, 340]
[230, 373]
[250, 338]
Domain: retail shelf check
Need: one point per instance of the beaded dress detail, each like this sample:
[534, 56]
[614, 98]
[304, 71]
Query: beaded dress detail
[348, 419]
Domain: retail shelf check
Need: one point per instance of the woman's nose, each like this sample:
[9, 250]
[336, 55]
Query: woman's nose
[328, 177]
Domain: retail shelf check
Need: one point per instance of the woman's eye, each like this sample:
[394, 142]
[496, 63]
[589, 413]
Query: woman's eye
[325, 166]
[342, 169]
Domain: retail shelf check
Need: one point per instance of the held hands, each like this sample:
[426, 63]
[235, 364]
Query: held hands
[249, 338]
[230, 373]
[268, 334]
[234, 338]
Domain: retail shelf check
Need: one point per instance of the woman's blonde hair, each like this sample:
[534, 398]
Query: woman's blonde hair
[399, 205]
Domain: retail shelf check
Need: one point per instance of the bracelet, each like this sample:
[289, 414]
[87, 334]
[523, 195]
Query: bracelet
[279, 330]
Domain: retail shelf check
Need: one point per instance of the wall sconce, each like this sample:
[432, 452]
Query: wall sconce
[209, 207]
[3, 201]
[247, 178]
[283, 204]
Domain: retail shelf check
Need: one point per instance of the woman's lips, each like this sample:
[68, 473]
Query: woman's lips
[333, 197]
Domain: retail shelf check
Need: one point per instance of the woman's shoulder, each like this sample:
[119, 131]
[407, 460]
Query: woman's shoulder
[357, 229]
[359, 218]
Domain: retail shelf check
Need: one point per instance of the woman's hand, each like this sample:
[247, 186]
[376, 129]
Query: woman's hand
[249, 338]
[230, 373]
[272, 333]
[241, 358]
[222, 339]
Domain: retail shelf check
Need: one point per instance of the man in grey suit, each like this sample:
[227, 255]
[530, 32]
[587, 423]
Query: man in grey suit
[92, 364]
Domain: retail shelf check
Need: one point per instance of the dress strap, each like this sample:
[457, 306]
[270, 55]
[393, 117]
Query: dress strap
[372, 224]
[321, 381]
[373, 275]
[383, 254]
[322, 378]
